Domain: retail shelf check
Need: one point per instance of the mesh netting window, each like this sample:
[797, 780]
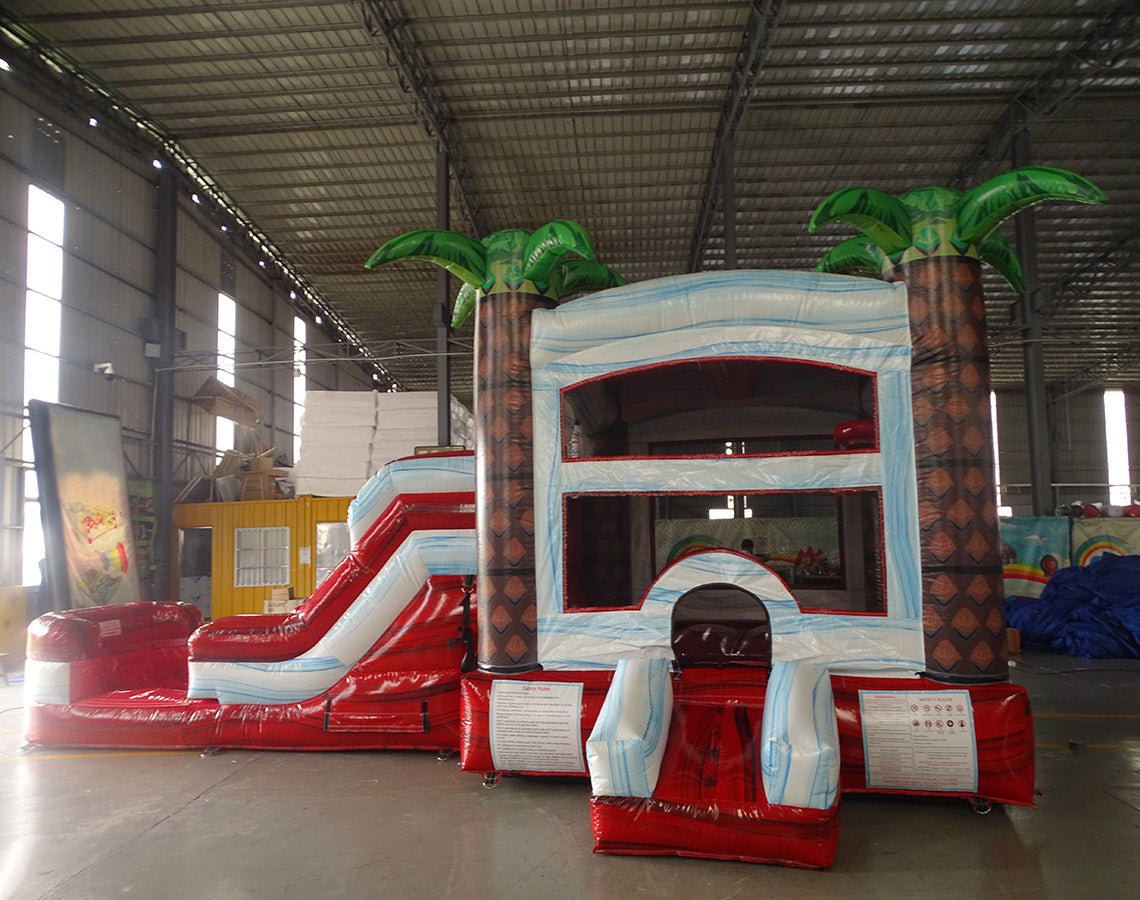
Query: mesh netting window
[826, 546]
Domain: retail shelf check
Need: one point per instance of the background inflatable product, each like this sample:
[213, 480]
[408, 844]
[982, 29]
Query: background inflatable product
[934, 239]
[1092, 612]
[506, 277]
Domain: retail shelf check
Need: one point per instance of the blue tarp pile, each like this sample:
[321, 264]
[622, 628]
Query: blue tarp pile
[1088, 611]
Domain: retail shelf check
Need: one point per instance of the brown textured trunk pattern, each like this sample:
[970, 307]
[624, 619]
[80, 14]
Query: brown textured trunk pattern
[504, 483]
[962, 611]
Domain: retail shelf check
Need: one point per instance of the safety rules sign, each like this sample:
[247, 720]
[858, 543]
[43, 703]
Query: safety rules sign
[914, 740]
[536, 726]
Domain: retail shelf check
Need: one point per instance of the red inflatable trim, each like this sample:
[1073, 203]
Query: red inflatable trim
[102, 631]
[1003, 727]
[475, 711]
[786, 835]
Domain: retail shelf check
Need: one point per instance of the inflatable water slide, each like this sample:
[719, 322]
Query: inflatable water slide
[371, 660]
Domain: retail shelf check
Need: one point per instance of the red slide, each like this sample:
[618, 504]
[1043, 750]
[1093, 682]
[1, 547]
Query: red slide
[117, 676]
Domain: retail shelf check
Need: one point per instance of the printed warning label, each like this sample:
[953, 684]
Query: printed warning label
[536, 726]
[914, 740]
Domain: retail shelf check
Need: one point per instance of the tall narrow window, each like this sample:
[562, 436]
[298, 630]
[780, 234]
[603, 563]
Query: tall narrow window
[227, 348]
[43, 324]
[300, 334]
[1116, 439]
[1002, 510]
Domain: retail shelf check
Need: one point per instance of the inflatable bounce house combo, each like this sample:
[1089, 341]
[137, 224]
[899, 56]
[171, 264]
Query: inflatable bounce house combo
[727, 546]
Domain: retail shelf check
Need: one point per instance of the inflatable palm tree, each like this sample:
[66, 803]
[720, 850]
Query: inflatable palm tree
[506, 276]
[935, 239]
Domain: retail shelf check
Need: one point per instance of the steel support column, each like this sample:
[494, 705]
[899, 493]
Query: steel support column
[443, 301]
[1040, 436]
[162, 460]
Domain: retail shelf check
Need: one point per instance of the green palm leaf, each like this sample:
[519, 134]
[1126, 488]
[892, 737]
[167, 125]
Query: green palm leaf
[881, 217]
[981, 209]
[465, 302]
[460, 255]
[549, 244]
[996, 251]
[578, 275]
[857, 256]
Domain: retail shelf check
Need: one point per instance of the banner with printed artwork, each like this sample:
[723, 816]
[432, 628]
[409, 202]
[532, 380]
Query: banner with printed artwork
[1032, 549]
[90, 548]
[1093, 538]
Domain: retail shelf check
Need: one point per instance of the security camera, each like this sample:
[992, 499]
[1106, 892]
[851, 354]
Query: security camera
[106, 370]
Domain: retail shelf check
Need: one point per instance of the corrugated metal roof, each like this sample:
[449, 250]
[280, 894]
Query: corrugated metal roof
[607, 113]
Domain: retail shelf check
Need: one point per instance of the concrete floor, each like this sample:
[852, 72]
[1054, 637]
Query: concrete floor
[395, 824]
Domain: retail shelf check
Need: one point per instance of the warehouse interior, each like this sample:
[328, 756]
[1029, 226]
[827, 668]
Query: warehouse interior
[189, 192]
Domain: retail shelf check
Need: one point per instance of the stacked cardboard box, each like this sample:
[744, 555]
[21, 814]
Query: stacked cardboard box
[255, 475]
[281, 600]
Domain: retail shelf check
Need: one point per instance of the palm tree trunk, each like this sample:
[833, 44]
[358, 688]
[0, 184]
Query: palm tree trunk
[962, 598]
[504, 479]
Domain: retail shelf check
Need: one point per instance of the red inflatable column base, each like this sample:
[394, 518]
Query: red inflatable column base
[475, 712]
[1003, 732]
[787, 836]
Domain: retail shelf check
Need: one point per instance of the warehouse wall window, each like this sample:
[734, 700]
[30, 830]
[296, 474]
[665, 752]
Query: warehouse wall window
[43, 323]
[300, 336]
[227, 348]
[1116, 438]
[1002, 510]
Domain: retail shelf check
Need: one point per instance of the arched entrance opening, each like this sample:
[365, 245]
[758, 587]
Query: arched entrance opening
[720, 626]
[722, 643]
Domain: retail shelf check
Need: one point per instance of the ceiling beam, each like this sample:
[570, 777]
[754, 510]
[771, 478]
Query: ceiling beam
[385, 22]
[229, 34]
[1097, 373]
[763, 18]
[57, 76]
[197, 60]
[192, 9]
[1119, 257]
[1065, 293]
[1069, 75]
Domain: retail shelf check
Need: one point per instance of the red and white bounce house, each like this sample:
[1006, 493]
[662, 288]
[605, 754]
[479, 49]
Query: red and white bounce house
[711, 604]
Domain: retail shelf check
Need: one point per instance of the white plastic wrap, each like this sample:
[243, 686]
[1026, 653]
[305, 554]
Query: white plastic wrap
[46, 682]
[418, 475]
[800, 300]
[799, 738]
[831, 320]
[848, 644]
[625, 749]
